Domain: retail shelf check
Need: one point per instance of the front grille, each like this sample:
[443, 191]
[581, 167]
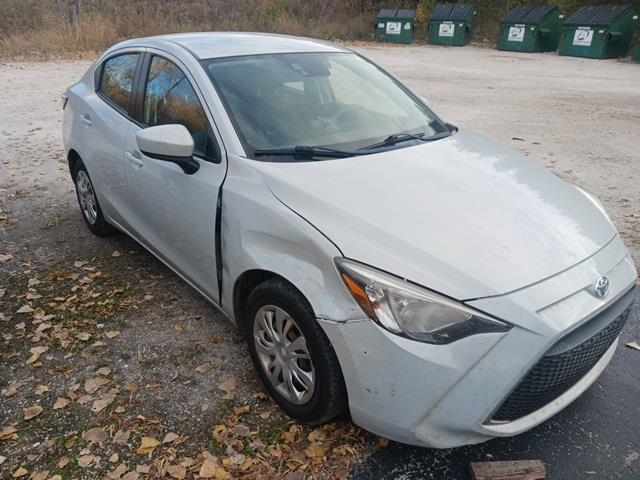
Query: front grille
[555, 373]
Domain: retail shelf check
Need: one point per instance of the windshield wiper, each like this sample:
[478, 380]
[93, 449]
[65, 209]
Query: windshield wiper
[306, 151]
[403, 137]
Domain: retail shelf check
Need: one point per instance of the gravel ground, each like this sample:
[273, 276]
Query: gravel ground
[172, 352]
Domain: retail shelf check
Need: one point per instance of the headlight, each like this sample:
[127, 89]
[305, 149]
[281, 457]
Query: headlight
[411, 311]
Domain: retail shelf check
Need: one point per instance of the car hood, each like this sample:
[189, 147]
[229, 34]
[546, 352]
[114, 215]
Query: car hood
[462, 216]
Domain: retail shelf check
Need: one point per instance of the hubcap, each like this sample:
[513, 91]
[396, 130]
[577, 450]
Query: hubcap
[283, 354]
[86, 197]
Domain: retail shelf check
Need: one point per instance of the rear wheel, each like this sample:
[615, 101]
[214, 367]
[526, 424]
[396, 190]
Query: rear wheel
[293, 356]
[88, 202]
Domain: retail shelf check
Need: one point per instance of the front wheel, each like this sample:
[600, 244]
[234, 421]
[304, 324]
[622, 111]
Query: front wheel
[293, 356]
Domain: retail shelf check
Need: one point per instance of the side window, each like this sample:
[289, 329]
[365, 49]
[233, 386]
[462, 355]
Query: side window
[117, 79]
[170, 98]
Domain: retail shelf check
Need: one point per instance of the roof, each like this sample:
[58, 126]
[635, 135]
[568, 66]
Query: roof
[453, 11]
[597, 15]
[529, 13]
[204, 45]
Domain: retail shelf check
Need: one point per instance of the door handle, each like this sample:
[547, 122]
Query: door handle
[86, 119]
[134, 158]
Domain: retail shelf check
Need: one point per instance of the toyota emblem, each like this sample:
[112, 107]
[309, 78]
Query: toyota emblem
[601, 287]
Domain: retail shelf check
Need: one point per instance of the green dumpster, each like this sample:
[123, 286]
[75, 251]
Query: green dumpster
[531, 28]
[396, 26]
[603, 31]
[452, 24]
[636, 56]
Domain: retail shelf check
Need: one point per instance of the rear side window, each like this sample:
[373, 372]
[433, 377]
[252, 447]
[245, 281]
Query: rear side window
[170, 98]
[116, 82]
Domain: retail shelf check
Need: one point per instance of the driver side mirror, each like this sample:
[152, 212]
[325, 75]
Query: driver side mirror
[169, 143]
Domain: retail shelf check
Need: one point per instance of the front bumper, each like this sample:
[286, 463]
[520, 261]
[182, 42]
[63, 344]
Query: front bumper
[446, 395]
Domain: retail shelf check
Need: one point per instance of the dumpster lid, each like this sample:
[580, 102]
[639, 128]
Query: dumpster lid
[387, 13]
[529, 13]
[453, 11]
[597, 15]
[406, 14]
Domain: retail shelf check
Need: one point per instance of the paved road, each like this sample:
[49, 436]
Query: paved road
[597, 437]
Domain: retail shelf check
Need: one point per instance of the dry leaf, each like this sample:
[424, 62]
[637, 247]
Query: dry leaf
[114, 458]
[116, 253]
[93, 384]
[40, 389]
[383, 442]
[32, 411]
[104, 371]
[5, 256]
[242, 410]
[20, 472]
[35, 354]
[634, 345]
[25, 309]
[316, 450]
[102, 402]
[83, 336]
[85, 460]
[13, 388]
[63, 462]
[116, 473]
[169, 437]
[177, 471]
[8, 433]
[111, 334]
[265, 415]
[121, 437]
[61, 402]
[204, 368]
[228, 386]
[40, 475]
[147, 445]
[2, 459]
[208, 469]
[95, 435]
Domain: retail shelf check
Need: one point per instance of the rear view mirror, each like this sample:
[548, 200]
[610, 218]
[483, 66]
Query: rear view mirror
[170, 143]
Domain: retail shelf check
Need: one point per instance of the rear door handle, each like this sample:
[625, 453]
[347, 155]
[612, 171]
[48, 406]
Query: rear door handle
[134, 158]
[86, 119]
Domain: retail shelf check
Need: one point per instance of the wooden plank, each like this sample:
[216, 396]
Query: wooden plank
[509, 470]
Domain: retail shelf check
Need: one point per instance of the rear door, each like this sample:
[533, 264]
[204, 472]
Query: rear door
[174, 213]
[106, 119]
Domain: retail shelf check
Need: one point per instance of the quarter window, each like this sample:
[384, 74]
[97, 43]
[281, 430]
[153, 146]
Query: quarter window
[117, 79]
[170, 98]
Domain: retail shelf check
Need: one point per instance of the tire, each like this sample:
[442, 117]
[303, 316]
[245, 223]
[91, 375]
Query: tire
[88, 203]
[328, 397]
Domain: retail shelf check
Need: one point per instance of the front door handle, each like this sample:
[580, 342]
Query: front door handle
[86, 119]
[134, 158]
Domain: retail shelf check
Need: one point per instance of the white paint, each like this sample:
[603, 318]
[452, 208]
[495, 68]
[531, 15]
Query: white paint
[583, 37]
[516, 34]
[446, 29]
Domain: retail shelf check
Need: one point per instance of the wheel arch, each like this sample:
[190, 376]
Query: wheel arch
[73, 157]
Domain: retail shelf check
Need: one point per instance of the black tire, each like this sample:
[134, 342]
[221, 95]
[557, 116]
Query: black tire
[329, 398]
[99, 226]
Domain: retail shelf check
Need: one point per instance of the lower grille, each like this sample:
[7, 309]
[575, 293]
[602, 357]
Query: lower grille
[554, 374]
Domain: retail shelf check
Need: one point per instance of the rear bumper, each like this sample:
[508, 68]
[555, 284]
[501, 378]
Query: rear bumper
[446, 395]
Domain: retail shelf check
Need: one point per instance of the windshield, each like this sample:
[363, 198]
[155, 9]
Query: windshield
[330, 100]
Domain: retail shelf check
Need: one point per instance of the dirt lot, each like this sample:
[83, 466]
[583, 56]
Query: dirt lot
[125, 370]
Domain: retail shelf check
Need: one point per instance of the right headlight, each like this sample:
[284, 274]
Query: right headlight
[412, 311]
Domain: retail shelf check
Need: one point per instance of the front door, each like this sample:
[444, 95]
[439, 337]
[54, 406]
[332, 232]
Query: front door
[174, 213]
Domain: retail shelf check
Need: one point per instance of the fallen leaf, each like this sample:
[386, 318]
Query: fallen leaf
[147, 445]
[315, 450]
[265, 415]
[169, 437]
[8, 433]
[79, 263]
[204, 368]
[95, 435]
[114, 458]
[111, 334]
[634, 345]
[104, 371]
[85, 460]
[83, 336]
[40, 389]
[20, 472]
[93, 384]
[32, 411]
[116, 253]
[130, 476]
[13, 388]
[5, 256]
[242, 410]
[61, 402]
[121, 437]
[40, 475]
[383, 442]
[208, 469]
[25, 309]
[228, 386]
[2, 459]
[35, 354]
[116, 473]
[63, 462]
[177, 471]
[101, 403]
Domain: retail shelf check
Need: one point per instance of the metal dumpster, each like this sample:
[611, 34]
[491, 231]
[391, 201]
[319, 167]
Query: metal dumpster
[603, 31]
[531, 28]
[396, 26]
[452, 24]
[636, 56]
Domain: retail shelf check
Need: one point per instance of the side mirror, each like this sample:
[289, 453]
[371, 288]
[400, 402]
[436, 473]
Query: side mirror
[170, 143]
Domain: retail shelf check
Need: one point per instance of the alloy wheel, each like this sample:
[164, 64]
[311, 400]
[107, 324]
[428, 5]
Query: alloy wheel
[87, 197]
